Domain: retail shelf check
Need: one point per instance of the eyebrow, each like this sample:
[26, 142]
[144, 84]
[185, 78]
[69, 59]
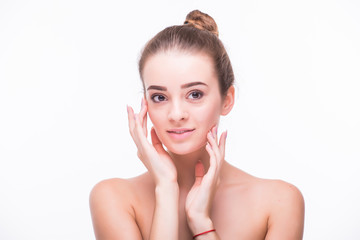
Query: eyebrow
[155, 87]
[187, 85]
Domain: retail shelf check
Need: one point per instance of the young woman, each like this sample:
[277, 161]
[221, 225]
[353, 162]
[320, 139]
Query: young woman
[189, 190]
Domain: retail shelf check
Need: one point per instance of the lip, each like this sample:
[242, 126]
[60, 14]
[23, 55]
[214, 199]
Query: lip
[180, 133]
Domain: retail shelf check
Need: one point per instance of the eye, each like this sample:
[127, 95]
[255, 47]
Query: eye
[195, 95]
[158, 98]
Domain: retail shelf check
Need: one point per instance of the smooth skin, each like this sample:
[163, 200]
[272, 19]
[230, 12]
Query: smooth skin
[189, 188]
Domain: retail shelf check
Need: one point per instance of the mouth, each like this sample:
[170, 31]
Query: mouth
[180, 131]
[179, 134]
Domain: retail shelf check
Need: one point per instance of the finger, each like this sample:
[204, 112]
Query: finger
[214, 132]
[143, 117]
[156, 141]
[214, 145]
[146, 117]
[222, 144]
[145, 125]
[131, 119]
[213, 166]
[139, 132]
[145, 101]
[140, 121]
[143, 112]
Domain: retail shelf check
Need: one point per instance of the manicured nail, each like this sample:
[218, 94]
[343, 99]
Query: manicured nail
[211, 133]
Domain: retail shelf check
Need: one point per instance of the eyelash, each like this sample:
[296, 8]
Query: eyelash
[197, 92]
[157, 95]
[154, 96]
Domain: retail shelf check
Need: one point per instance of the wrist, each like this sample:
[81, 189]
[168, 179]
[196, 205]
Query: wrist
[166, 189]
[207, 235]
[200, 225]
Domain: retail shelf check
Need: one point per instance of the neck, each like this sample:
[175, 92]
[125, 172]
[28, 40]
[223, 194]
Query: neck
[185, 166]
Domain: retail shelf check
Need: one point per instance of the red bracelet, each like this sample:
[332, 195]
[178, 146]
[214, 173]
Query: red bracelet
[212, 230]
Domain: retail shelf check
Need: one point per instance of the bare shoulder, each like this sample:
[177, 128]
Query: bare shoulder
[112, 204]
[111, 189]
[278, 203]
[114, 186]
[275, 207]
[273, 191]
[280, 191]
[266, 194]
[286, 209]
[118, 192]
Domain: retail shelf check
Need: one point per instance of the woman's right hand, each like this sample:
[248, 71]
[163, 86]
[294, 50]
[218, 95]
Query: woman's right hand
[153, 156]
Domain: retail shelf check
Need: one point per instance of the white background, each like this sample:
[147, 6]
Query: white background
[68, 69]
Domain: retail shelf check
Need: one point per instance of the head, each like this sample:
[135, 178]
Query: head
[188, 82]
[198, 34]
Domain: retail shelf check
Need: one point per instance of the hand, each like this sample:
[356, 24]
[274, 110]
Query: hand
[153, 156]
[199, 199]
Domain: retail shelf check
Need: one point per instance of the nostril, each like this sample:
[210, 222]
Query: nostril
[177, 115]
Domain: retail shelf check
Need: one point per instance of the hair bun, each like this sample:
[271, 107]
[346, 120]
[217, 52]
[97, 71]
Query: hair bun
[202, 21]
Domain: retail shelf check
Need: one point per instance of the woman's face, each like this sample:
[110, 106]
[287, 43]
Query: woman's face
[184, 100]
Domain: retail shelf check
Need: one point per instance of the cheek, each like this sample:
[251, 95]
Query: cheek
[155, 116]
[158, 120]
[207, 116]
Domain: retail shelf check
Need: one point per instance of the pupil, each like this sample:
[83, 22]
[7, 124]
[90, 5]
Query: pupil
[195, 95]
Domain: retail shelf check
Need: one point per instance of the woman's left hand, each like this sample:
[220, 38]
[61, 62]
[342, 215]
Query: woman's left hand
[199, 199]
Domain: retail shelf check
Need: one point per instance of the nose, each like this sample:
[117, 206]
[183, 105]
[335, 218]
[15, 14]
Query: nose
[177, 112]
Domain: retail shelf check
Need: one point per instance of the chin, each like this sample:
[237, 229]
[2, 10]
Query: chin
[184, 148]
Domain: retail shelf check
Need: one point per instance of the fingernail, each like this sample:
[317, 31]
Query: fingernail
[211, 132]
[142, 102]
[225, 134]
[127, 108]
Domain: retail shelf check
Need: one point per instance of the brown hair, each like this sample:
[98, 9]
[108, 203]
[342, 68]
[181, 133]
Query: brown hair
[198, 34]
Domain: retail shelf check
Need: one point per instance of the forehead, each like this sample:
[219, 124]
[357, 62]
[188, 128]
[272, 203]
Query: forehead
[175, 68]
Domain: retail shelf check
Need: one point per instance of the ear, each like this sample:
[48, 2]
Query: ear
[228, 101]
